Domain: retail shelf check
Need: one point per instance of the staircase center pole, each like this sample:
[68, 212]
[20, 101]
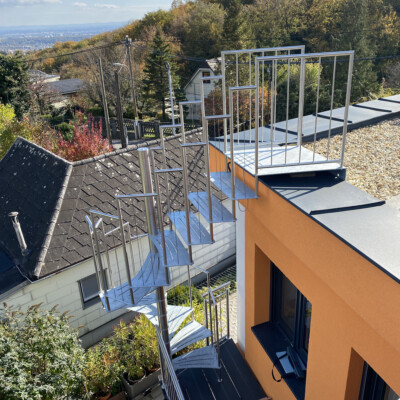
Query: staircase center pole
[147, 184]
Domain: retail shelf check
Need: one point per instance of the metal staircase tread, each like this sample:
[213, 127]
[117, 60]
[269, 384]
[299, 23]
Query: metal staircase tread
[206, 357]
[223, 182]
[119, 297]
[198, 233]
[189, 334]
[177, 254]
[219, 212]
[152, 273]
[175, 315]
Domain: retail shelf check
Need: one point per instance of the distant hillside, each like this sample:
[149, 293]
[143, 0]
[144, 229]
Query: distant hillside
[32, 38]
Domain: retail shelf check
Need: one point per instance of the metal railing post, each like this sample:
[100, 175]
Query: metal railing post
[147, 184]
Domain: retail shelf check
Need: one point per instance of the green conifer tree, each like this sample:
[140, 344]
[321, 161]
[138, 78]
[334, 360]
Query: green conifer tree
[155, 84]
[14, 79]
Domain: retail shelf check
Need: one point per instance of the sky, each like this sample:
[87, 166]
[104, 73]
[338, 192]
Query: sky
[55, 12]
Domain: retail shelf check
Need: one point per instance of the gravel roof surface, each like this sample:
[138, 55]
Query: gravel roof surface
[372, 157]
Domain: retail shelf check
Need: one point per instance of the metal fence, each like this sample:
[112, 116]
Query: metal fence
[144, 129]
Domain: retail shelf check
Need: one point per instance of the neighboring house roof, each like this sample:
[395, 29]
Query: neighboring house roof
[36, 74]
[67, 86]
[53, 196]
[211, 64]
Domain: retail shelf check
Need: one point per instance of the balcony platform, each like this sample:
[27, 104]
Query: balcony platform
[279, 160]
[238, 382]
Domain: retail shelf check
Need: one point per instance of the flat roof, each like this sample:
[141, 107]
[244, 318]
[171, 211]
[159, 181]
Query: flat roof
[366, 224]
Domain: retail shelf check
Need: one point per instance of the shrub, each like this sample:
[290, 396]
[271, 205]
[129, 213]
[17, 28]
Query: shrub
[133, 349]
[180, 295]
[66, 130]
[85, 143]
[40, 355]
[11, 128]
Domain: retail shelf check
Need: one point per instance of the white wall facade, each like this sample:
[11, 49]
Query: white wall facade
[63, 288]
[192, 91]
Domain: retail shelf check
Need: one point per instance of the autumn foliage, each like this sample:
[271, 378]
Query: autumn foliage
[86, 142]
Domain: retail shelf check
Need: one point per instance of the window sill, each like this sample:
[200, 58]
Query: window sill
[272, 340]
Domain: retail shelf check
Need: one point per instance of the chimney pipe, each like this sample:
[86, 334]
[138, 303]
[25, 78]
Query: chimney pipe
[20, 236]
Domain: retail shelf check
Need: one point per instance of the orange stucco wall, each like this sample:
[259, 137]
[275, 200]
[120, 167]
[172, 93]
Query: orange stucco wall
[355, 306]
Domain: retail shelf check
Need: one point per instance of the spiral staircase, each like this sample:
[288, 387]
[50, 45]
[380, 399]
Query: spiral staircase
[171, 235]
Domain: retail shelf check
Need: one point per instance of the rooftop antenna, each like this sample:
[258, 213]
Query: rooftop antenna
[20, 236]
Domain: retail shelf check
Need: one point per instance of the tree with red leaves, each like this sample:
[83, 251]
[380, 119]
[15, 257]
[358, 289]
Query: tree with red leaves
[86, 142]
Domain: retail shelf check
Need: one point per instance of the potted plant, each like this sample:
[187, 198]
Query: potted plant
[102, 371]
[138, 343]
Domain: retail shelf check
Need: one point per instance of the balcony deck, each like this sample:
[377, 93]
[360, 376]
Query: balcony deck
[238, 382]
[278, 160]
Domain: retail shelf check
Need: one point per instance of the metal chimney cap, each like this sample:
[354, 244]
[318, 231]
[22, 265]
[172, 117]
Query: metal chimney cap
[13, 214]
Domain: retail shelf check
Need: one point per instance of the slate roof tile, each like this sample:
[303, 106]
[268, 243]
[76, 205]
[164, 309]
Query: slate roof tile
[90, 183]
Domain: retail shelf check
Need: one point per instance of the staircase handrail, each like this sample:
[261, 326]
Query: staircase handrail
[170, 380]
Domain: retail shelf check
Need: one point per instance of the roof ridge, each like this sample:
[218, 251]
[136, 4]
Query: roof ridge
[53, 221]
[20, 139]
[135, 146]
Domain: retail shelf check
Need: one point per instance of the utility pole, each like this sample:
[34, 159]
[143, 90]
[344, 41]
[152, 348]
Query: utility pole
[128, 45]
[120, 116]
[171, 94]
[104, 98]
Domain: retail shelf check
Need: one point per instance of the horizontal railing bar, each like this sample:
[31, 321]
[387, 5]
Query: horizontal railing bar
[156, 148]
[301, 163]
[184, 103]
[170, 126]
[127, 196]
[222, 116]
[115, 229]
[193, 144]
[104, 214]
[306, 55]
[223, 285]
[138, 236]
[214, 77]
[163, 171]
[263, 49]
[238, 88]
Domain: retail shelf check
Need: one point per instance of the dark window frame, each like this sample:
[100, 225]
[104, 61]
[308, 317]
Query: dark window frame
[93, 300]
[372, 387]
[297, 338]
[204, 75]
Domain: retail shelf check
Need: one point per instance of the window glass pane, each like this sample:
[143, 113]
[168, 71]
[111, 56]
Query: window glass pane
[89, 288]
[390, 395]
[307, 324]
[288, 301]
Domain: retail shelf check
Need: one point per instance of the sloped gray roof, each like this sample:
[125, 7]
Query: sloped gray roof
[67, 86]
[53, 196]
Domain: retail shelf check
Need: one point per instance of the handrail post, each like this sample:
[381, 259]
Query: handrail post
[228, 331]
[147, 184]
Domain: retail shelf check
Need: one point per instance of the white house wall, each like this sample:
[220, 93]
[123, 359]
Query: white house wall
[192, 91]
[63, 288]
